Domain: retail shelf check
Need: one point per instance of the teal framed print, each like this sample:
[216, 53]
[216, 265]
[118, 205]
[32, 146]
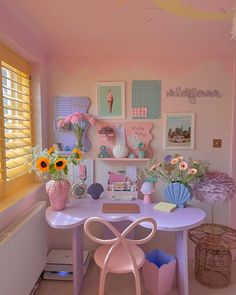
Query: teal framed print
[111, 100]
[179, 131]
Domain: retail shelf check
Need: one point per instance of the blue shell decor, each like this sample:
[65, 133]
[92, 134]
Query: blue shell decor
[177, 193]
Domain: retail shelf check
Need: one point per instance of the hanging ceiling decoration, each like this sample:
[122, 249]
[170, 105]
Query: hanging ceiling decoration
[233, 30]
[179, 8]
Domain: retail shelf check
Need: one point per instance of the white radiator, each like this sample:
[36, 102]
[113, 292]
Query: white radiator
[23, 252]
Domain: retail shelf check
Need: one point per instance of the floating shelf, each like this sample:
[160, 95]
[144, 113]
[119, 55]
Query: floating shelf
[124, 159]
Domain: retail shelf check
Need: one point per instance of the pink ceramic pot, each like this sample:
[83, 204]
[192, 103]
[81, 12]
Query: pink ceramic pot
[58, 192]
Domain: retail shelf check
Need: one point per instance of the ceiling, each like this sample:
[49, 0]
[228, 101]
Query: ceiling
[129, 27]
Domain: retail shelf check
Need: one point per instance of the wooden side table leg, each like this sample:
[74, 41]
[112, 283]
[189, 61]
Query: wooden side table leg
[77, 246]
[182, 262]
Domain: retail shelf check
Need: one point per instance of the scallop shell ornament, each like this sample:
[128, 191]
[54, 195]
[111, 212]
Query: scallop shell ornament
[95, 190]
[120, 151]
[177, 193]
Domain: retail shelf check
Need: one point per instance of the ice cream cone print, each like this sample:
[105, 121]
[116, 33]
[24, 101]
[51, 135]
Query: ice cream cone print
[110, 100]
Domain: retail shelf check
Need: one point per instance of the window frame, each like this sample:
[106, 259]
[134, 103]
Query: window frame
[11, 187]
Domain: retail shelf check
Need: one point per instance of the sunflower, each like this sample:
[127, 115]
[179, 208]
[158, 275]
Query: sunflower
[78, 154]
[60, 164]
[51, 150]
[42, 164]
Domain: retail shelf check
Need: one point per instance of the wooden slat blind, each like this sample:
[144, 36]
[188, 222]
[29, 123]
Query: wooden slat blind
[17, 121]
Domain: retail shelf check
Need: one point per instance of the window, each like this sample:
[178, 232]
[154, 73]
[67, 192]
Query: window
[16, 132]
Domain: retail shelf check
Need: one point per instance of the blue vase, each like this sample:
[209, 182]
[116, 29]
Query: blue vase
[178, 193]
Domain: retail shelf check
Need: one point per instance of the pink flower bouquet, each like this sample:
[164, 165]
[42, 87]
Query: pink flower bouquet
[80, 123]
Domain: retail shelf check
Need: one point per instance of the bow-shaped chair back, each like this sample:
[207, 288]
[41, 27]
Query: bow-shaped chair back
[134, 253]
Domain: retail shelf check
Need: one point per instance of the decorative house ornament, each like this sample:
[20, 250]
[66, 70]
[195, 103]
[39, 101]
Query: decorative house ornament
[120, 151]
[193, 93]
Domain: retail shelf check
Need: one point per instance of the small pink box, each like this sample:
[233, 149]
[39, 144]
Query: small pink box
[116, 177]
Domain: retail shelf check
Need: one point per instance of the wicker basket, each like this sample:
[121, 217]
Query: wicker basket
[213, 265]
[213, 257]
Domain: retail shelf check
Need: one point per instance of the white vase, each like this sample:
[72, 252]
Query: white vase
[120, 151]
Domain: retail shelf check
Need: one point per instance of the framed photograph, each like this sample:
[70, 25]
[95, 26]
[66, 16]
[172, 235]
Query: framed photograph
[111, 100]
[179, 131]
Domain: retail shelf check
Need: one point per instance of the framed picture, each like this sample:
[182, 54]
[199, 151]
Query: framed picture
[179, 130]
[111, 100]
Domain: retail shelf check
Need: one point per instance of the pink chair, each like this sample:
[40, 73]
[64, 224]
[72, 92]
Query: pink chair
[119, 255]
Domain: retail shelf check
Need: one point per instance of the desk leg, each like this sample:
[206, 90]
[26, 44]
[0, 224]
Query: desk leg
[77, 245]
[182, 262]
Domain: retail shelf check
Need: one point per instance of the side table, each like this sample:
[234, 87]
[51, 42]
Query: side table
[213, 257]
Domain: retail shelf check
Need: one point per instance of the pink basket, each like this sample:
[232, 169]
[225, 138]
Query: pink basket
[158, 272]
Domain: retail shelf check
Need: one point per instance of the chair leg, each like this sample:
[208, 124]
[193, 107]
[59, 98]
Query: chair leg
[137, 282]
[102, 282]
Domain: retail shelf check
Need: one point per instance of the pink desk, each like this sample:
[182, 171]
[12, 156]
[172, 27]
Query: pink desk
[178, 221]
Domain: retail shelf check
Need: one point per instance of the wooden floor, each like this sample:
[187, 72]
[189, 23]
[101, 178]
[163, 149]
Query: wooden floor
[124, 285]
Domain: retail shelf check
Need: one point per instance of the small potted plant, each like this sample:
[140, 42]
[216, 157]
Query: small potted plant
[137, 144]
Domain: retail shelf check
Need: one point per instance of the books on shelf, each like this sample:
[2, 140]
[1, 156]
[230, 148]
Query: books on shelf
[164, 206]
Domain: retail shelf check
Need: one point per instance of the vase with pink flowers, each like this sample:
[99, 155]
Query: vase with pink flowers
[178, 173]
[80, 123]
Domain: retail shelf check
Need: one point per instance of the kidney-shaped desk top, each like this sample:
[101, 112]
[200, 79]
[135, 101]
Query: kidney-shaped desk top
[77, 211]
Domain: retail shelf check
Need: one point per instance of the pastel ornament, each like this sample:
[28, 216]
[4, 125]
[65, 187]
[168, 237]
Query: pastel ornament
[178, 193]
[95, 190]
[147, 189]
[120, 151]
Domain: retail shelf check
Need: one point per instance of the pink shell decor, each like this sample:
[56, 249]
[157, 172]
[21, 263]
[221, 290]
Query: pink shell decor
[216, 187]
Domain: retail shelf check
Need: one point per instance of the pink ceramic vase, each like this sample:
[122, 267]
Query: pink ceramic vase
[58, 192]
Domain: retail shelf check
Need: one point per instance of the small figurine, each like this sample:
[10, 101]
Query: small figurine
[104, 153]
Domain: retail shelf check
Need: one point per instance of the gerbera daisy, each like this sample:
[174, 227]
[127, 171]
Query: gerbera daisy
[78, 153]
[180, 158]
[192, 171]
[51, 150]
[60, 164]
[174, 161]
[183, 166]
[42, 164]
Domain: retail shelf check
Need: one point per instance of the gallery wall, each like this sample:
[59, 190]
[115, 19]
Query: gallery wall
[213, 116]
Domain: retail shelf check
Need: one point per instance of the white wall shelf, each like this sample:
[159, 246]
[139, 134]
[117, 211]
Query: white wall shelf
[124, 159]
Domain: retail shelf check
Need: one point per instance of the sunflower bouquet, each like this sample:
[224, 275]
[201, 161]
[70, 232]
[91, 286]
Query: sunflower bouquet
[51, 163]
